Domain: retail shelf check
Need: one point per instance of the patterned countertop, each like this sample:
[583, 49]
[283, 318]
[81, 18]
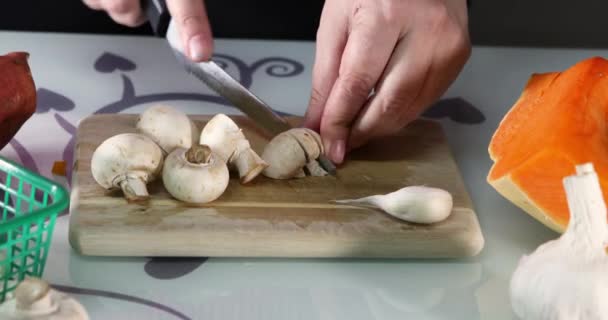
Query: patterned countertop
[78, 75]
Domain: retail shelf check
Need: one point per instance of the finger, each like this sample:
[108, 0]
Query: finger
[125, 12]
[392, 106]
[331, 40]
[367, 51]
[193, 26]
[93, 4]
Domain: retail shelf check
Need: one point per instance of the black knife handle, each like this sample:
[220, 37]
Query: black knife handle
[158, 15]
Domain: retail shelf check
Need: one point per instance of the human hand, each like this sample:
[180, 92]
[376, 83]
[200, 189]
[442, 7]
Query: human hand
[379, 64]
[190, 17]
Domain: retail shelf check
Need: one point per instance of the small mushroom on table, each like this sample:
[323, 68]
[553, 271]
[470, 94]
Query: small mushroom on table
[34, 299]
[127, 161]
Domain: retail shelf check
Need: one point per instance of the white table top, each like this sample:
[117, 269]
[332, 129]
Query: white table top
[77, 75]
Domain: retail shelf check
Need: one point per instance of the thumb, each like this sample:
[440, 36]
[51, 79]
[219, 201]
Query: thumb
[193, 26]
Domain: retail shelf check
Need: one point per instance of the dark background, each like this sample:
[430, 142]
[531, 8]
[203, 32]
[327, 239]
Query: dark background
[561, 23]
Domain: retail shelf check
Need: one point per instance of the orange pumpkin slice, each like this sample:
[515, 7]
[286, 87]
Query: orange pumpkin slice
[560, 120]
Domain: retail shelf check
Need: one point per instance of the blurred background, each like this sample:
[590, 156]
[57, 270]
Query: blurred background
[548, 23]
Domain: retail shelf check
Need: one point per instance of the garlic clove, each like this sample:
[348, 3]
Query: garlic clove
[127, 161]
[196, 175]
[168, 127]
[417, 204]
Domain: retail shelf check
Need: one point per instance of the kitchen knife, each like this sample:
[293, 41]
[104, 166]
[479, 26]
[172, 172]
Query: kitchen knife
[217, 79]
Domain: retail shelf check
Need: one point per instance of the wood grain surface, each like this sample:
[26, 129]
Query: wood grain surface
[278, 218]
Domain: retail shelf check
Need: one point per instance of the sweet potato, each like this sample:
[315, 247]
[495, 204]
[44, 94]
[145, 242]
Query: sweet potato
[17, 94]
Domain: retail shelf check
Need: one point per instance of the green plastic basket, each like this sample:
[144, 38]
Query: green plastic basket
[29, 205]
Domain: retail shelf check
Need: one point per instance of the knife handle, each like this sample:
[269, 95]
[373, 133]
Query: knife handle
[158, 15]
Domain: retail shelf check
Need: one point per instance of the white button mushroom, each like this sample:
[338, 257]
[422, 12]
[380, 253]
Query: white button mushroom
[291, 152]
[196, 175]
[227, 140]
[34, 299]
[168, 127]
[127, 161]
[416, 204]
[566, 278]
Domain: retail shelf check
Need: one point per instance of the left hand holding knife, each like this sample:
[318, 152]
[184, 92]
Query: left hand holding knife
[190, 17]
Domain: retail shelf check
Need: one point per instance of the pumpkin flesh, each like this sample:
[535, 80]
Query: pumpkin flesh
[559, 121]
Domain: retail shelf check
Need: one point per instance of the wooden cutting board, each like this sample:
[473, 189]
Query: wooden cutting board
[278, 218]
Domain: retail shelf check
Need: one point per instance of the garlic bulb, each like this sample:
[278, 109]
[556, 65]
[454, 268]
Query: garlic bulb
[566, 278]
[416, 204]
[34, 299]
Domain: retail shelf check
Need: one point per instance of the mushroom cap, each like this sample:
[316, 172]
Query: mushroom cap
[30, 291]
[309, 140]
[224, 137]
[192, 182]
[168, 127]
[285, 157]
[288, 152]
[127, 154]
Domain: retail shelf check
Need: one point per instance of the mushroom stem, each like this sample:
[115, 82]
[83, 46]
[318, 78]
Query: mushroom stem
[248, 164]
[315, 169]
[198, 154]
[134, 189]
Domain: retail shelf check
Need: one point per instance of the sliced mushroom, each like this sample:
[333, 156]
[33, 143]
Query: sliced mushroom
[227, 140]
[293, 152]
[34, 299]
[127, 161]
[196, 175]
[168, 127]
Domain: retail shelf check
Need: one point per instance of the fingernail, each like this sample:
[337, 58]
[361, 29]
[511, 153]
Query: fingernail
[336, 151]
[197, 51]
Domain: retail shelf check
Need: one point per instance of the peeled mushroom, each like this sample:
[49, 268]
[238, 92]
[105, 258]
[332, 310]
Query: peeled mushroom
[226, 139]
[292, 152]
[196, 175]
[34, 299]
[168, 127]
[127, 161]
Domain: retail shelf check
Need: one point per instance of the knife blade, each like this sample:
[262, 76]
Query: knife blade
[219, 80]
